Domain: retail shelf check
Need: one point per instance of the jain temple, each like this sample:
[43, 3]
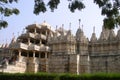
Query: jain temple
[41, 49]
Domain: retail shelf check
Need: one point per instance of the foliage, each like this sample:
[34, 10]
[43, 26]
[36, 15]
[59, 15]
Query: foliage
[6, 11]
[40, 5]
[110, 9]
[48, 76]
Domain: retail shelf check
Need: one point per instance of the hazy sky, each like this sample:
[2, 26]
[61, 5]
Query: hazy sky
[90, 17]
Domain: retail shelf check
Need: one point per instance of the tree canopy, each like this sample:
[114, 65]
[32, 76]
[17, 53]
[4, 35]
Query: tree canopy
[109, 8]
[6, 10]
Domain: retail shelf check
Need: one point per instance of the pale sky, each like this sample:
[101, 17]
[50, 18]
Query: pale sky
[90, 17]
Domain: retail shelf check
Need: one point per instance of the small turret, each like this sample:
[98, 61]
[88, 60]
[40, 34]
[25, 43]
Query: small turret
[93, 37]
[104, 34]
[118, 35]
[2, 46]
[111, 35]
[13, 39]
[80, 36]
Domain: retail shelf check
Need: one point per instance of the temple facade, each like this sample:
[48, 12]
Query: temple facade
[41, 49]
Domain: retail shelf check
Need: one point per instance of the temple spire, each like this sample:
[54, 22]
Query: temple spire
[82, 27]
[93, 37]
[44, 21]
[79, 22]
[62, 27]
[13, 38]
[70, 26]
[56, 27]
[18, 33]
[23, 31]
[94, 29]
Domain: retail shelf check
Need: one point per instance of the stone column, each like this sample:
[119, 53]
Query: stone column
[19, 55]
[35, 30]
[40, 42]
[46, 62]
[78, 65]
[39, 55]
[46, 55]
[46, 33]
[88, 66]
[28, 41]
[33, 56]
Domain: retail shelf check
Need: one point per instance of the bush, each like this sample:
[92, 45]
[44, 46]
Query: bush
[48, 76]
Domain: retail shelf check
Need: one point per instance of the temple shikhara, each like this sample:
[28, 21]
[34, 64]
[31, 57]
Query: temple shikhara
[41, 49]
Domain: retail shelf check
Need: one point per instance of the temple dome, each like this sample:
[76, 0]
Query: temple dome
[80, 36]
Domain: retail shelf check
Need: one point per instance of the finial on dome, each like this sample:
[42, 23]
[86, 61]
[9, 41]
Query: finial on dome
[44, 21]
[35, 22]
[13, 38]
[56, 27]
[6, 40]
[94, 29]
[62, 26]
[13, 34]
[23, 30]
[70, 26]
[18, 33]
[2, 46]
[79, 22]
[6, 45]
[82, 27]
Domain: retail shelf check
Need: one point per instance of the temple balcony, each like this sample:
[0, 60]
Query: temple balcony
[31, 35]
[33, 47]
[44, 48]
[40, 36]
[19, 46]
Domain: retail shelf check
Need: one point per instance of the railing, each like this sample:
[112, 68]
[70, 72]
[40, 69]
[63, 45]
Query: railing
[19, 45]
[40, 36]
[33, 47]
[28, 35]
[44, 48]
[23, 46]
[31, 35]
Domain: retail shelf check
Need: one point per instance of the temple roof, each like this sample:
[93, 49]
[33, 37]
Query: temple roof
[118, 35]
[104, 34]
[111, 35]
[93, 37]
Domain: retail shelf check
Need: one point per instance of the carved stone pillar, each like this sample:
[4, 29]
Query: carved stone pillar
[33, 56]
[35, 30]
[28, 41]
[40, 42]
[46, 55]
[19, 55]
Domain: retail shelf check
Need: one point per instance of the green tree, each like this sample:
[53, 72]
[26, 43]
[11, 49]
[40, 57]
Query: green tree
[6, 10]
[109, 8]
